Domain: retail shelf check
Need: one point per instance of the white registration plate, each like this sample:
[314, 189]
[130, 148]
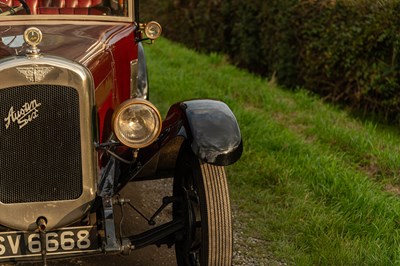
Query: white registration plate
[62, 241]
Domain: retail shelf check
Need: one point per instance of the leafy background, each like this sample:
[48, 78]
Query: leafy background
[346, 51]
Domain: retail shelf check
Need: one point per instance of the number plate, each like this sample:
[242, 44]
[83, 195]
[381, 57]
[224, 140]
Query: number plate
[62, 241]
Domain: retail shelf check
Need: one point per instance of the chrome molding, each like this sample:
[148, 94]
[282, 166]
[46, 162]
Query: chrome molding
[134, 78]
[23, 216]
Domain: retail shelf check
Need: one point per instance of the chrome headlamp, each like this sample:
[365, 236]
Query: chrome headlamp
[136, 123]
[152, 30]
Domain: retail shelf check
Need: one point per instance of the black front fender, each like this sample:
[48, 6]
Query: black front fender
[212, 130]
[209, 127]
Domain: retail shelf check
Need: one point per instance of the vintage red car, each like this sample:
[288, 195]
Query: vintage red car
[76, 126]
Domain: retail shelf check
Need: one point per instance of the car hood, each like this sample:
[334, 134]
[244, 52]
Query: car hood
[80, 43]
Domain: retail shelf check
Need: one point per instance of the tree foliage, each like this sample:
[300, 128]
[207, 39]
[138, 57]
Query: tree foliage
[345, 50]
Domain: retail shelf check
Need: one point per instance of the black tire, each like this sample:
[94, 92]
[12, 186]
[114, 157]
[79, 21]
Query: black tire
[203, 204]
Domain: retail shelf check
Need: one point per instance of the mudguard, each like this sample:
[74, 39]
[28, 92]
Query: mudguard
[211, 128]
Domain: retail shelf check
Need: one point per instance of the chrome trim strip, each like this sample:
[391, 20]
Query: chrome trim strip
[23, 216]
[58, 229]
[58, 22]
[66, 17]
[134, 78]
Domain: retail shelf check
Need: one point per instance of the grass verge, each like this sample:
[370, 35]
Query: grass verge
[314, 185]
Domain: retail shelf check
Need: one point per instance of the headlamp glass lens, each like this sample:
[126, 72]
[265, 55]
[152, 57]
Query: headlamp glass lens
[138, 124]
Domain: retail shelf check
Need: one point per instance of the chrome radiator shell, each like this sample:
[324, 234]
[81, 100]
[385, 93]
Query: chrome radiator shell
[54, 71]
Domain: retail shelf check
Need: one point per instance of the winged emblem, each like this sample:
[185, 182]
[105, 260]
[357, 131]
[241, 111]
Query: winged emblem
[34, 73]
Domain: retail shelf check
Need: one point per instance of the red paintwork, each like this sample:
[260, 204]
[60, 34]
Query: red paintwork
[106, 49]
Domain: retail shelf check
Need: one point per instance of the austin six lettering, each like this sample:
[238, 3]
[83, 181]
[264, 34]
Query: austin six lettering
[28, 112]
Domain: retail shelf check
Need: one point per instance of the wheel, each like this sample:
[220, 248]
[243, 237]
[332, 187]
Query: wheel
[202, 203]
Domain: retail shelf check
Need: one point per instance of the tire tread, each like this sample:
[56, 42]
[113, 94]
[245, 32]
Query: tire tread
[218, 215]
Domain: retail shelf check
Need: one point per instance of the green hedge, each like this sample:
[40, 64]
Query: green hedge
[350, 53]
[345, 50]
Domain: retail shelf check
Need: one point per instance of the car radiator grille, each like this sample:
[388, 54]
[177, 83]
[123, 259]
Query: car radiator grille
[40, 149]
